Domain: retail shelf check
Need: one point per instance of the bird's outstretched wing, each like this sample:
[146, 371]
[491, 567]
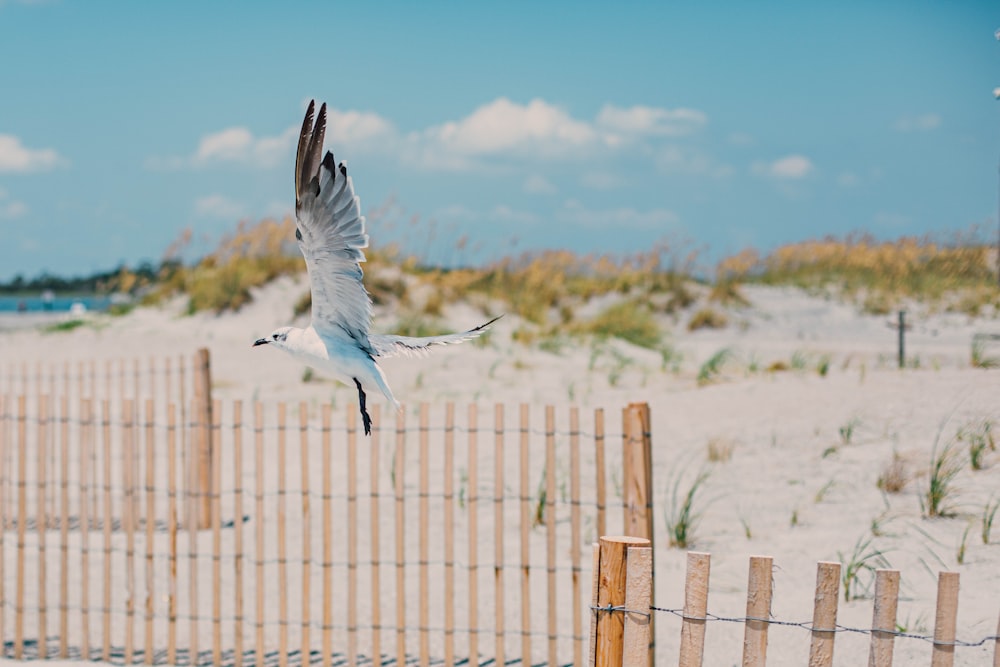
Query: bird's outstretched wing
[331, 234]
[391, 346]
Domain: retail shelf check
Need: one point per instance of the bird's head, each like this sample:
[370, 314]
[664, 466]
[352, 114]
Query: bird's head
[278, 338]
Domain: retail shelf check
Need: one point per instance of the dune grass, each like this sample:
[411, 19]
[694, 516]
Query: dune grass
[958, 273]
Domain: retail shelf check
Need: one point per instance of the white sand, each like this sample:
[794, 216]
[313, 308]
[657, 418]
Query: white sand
[780, 425]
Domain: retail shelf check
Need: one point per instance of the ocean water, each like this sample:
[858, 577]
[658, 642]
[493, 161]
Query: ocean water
[58, 304]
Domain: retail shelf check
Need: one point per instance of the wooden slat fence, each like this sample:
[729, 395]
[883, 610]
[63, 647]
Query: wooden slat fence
[444, 537]
[622, 611]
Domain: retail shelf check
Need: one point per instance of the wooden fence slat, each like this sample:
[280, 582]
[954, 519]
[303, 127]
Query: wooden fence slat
[423, 547]
[64, 418]
[824, 614]
[575, 538]
[191, 430]
[259, 583]
[282, 541]
[500, 650]
[216, 522]
[128, 523]
[42, 523]
[945, 617]
[758, 611]
[525, 490]
[373, 538]
[595, 572]
[599, 471]
[238, 559]
[549, 507]
[352, 538]
[22, 517]
[327, 637]
[473, 535]
[172, 531]
[449, 535]
[106, 442]
[692, 650]
[150, 529]
[399, 472]
[306, 650]
[83, 489]
[203, 460]
[638, 597]
[884, 618]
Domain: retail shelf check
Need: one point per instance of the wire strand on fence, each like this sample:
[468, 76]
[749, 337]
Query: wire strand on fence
[805, 625]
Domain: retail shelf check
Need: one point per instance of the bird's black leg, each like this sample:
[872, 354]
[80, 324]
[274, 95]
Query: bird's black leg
[364, 413]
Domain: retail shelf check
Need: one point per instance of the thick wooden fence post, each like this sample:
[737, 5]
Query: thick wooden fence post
[945, 620]
[824, 622]
[884, 618]
[202, 460]
[611, 580]
[637, 472]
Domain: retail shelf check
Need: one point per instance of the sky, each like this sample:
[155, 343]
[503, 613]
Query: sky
[510, 126]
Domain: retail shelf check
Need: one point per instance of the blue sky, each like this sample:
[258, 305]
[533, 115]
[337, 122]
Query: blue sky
[590, 126]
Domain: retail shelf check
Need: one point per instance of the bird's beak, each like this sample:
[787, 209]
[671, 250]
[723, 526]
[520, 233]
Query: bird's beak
[260, 341]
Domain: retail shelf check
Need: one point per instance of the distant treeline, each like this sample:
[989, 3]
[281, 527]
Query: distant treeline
[120, 279]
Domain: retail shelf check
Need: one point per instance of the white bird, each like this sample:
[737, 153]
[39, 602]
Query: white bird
[331, 234]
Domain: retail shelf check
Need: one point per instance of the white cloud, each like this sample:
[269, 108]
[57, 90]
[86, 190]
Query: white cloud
[240, 145]
[11, 208]
[537, 184]
[16, 157]
[503, 126]
[652, 121]
[919, 123]
[576, 213]
[790, 167]
[541, 130]
[488, 138]
[217, 206]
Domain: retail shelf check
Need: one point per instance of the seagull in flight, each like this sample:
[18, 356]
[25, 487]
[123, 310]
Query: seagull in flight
[331, 234]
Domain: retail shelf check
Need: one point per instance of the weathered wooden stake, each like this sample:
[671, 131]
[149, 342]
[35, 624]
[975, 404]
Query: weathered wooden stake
[695, 608]
[824, 614]
[636, 637]
[759, 610]
[944, 620]
[203, 459]
[612, 571]
[884, 618]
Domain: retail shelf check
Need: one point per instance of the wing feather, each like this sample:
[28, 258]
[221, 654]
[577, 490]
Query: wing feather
[406, 346]
[331, 234]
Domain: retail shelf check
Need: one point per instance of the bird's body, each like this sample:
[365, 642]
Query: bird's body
[331, 234]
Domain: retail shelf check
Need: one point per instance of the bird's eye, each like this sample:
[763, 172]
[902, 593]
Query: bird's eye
[274, 336]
